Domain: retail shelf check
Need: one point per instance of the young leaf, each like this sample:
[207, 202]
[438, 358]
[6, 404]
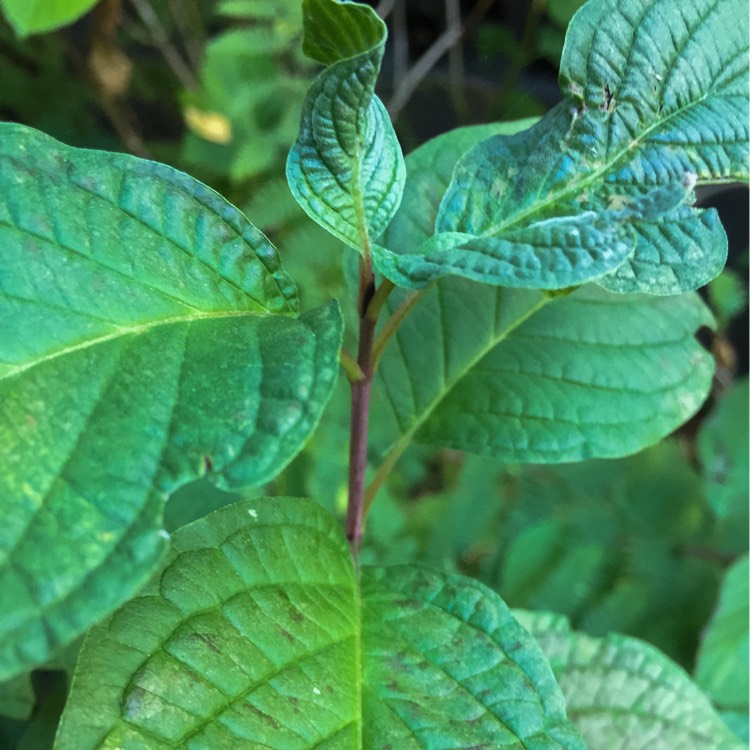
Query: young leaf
[139, 354]
[35, 16]
[346, 169]
[621, 692]
[656, 100]
[722, 661]
[525, 376]
[256, 634]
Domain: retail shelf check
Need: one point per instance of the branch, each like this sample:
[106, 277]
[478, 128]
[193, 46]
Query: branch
[159, 35]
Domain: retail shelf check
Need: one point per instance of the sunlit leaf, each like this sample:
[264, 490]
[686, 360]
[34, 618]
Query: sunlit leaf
[257, 634]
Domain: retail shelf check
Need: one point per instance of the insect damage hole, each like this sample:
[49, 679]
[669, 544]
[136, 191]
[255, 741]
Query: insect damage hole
[608, 105]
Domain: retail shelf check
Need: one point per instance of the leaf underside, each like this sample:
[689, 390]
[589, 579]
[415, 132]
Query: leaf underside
[142, 354]
[255, 634]
[623, 694]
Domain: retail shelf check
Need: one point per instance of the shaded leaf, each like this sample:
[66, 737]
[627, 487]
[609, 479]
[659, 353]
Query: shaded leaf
[346, 169]
[255, 634]
[723, 657]
[622, 693]
[140, 355]
[611, 544]
[723, 449]
[17, 697]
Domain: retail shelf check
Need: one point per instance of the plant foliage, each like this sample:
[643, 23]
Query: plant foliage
[525, 292]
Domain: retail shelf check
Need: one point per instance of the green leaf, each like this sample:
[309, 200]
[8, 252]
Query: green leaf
[723, 451]
[601, 188]
[346, 169]
[738, 722]
[610, 544]
[17, 697]
[139, 355]
[256, 634]
[621, 692]
[430, 168]
[723, 657]
[727, 294]
[34, 16]
[527, 376]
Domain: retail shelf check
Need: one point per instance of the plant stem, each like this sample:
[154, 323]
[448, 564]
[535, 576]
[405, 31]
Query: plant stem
[361, 390]
[350, 367]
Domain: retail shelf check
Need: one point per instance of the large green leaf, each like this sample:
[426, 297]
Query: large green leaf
[592, 374]
[256, 634]
[622, 693]
[34, 16]
[723, 658]
[138, 354]
[346, 169]
[526, 376]
[656, 100]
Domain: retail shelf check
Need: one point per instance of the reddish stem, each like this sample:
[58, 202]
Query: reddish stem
[360, 411]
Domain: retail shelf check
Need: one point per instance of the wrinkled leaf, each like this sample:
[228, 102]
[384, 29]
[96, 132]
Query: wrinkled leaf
[622, 693]
[255, 634]
[34, 16]
[346, 169]
[140, 354]
[601, 188]
[525, 376]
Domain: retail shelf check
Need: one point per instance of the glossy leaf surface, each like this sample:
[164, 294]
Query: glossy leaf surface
[622, 693]
[600, 189]
[256, 634]
[140, 355]
[35, 16]
[525, 376]
[346, 169]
